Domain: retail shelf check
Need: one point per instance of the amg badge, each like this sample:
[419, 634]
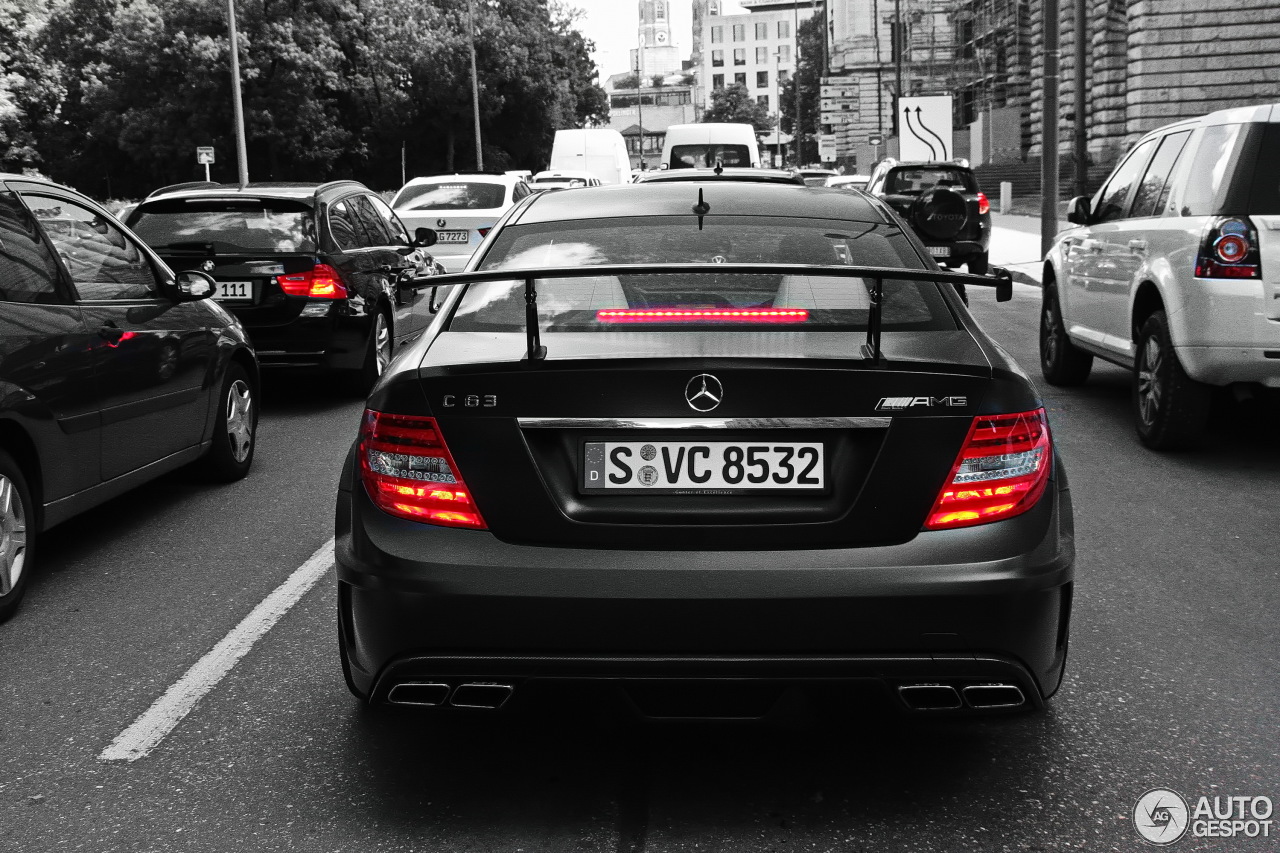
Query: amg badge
[897, 404]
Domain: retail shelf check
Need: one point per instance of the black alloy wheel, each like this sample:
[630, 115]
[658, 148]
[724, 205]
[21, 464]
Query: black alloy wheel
[1170, 408]
[17, 535]
[235, 432]
[1061, 362]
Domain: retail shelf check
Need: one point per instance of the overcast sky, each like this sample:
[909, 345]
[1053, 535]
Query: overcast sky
[613, 26]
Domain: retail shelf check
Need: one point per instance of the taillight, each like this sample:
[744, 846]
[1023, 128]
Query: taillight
[984, 206]
[484, 232]
[320, 282]
[702, 315]
[1001, 471]
[1229, 249]
[408, 471]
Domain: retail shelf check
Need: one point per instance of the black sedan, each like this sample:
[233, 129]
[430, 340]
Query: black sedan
[705, 442]
[113, 370]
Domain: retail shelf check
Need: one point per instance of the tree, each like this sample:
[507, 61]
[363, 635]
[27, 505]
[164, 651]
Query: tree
[808, 77]
[735, 104]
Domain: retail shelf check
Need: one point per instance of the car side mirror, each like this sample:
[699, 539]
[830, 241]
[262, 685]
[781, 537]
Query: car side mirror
[193, 285]
[1078, 210]
[424, 237]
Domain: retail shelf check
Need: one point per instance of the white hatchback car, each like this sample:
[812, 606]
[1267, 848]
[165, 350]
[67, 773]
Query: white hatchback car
[1163, 272]
[460, 208]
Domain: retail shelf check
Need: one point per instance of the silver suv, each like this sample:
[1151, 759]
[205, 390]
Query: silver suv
[1163, 272]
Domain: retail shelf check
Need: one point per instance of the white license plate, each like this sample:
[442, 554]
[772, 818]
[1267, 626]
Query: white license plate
[235, 291]
[939, 251]
[700, 466]
[453, 236]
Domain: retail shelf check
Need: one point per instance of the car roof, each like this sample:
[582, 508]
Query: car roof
[453, 177]
[725, 198]
[300, 190]
[735, 173]
[563, 173]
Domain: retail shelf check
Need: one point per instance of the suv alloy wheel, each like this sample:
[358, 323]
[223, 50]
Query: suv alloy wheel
[1170, 408]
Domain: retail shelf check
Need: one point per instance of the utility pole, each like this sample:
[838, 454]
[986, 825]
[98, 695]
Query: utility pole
[897, 60]
[795, 80]
[640, 95]
[1081, 149]
[237, 106]
[475, 85]
[777, 128]
[1049, 130]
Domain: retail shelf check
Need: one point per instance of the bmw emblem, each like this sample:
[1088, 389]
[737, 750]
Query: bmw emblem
[440, 223]
[207, 266]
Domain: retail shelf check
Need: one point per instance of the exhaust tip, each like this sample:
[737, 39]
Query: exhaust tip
[481, 695]
[988, 696]
[930, 697]
[428, 694]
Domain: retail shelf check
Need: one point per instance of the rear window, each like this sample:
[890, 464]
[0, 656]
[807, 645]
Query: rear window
[258, 225]
[700, 299]
[706, 156]
[459, 195]
[1265, 194]
[906, 181]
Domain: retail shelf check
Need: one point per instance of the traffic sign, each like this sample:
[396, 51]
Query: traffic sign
[204, 155]
[924, 128]
[875, 139]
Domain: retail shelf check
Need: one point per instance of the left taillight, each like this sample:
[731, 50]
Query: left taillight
[984, 206]
[408, 471]
[1001, 471]
[320, 282]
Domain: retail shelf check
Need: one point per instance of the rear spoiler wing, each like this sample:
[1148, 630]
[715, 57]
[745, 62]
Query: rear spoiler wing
[999, 278]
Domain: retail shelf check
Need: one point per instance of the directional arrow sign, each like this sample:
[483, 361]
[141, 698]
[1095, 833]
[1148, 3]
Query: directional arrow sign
[925, 128]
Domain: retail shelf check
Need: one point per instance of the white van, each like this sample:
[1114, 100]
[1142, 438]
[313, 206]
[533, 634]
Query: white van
[598, 150]
[699, 146]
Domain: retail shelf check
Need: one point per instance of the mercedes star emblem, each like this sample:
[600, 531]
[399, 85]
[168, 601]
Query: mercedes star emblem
[440, 223]
[704, 392]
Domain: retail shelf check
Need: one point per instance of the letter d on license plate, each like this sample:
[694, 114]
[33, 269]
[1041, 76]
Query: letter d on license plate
[693, 466]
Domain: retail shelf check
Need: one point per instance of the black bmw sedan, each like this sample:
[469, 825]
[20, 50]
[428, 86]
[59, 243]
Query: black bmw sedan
[113, 370]
[705, 443]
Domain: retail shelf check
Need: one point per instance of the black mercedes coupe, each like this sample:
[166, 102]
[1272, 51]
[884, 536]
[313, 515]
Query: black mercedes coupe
[705, 443]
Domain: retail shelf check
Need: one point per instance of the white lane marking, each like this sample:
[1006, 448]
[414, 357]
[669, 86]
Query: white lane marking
[146, 732]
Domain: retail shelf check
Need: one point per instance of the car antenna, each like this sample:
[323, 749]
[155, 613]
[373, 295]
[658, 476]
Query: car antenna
[701, 208]
[719, 169]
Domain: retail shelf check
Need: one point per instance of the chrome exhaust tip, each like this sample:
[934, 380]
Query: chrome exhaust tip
[481, 695]
[930, 697]
[425, 694]
[988, 696]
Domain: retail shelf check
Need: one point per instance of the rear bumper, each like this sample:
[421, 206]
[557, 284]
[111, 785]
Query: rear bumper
[333, 341]
[417, 601]
[1225, 365]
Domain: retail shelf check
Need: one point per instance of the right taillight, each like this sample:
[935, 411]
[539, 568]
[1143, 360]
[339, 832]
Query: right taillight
[984, 206]
[408, 471]
[1001, 471]
[320, 282]
[1229, 249]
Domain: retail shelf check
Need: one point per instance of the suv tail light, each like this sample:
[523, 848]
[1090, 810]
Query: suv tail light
[408, 471]
[320, 282]
[1000, 473]
[984, 206]
[1229, 249]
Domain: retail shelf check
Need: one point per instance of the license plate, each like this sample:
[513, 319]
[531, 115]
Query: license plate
[453, 236]
[234, 291]
[702, 466]
[939, 251]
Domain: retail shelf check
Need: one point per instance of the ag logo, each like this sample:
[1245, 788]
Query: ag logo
[1160, 816]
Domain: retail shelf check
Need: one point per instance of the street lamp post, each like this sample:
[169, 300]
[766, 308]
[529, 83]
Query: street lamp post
[237, 105]
[475, 84]
[777, 128]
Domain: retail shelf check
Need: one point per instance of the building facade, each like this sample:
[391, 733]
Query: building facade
[656, 53]
[756, 49]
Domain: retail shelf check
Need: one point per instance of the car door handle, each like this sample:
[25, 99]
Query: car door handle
[111, 332]
[1140, 245]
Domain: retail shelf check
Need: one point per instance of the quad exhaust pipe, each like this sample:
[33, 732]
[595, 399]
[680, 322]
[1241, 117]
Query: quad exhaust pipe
[436, 694]
[946, 697]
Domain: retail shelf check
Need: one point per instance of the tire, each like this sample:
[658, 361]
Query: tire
[1170, 408]
[977, 264]
[235, 430]
[1061, 362]
[378, 354]
[17, 535]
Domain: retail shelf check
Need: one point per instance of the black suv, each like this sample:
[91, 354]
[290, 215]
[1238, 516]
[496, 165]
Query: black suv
[321, 275]
[942, 204]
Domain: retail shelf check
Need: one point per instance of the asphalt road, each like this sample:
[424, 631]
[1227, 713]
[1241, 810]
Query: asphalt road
[1173, 681]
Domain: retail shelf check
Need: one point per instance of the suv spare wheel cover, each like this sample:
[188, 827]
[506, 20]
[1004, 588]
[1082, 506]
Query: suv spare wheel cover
[940, 213]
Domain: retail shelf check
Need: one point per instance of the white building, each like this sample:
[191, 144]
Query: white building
[756, 49]
[657, 52]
